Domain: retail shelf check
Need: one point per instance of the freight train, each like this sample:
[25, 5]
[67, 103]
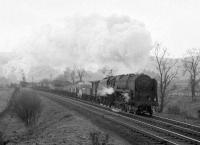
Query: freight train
[134, 93]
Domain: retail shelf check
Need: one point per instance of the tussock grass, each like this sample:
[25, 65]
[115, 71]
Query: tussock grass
[98, 138]
[1, 138]
[198, 114]
[179, 110]
[27, 107]
[173, 110]
[6, 93]
[184, 106]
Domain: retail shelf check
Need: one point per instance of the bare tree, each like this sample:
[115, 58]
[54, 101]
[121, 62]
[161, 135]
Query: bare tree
[70, 74]
[166, 73]
[81, 73]
[191, 66]
[67, 74]
[73, 75]
[23, 76]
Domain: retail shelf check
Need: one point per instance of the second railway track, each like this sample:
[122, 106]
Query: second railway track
[178, 123]
[157, 130]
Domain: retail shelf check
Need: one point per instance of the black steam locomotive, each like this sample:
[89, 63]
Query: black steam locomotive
[135, 93]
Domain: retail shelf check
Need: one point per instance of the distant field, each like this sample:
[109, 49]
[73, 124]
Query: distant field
[5, 94]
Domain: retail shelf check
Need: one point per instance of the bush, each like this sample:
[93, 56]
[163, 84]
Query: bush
[198, 114]
[27, 107]
[97, 138]
[1, 138]
[174, 110]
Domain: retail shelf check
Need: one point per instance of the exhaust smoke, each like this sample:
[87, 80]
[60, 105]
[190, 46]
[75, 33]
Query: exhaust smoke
[92, 42]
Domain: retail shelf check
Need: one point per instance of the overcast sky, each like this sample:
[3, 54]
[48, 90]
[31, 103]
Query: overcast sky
[175, 23]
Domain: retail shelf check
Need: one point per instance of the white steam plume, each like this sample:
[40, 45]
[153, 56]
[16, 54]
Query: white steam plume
[105, 91]
[91, 42]
[126, 97]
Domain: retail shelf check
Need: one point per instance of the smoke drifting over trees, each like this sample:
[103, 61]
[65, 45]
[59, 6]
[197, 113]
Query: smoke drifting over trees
[90, 42]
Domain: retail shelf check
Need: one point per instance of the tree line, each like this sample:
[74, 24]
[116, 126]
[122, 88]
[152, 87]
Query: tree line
[167, 71]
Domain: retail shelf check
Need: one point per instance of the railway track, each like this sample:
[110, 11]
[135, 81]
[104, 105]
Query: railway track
[181, 128]
[178, 123]
[157, 131]
[169, 124]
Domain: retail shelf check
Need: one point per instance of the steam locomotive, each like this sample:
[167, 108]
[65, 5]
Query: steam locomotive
[134, 93]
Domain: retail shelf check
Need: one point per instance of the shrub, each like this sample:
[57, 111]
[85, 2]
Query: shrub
[97, 138]
[1, 138]
[198, 114]
[27, 107]
[174, 110]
